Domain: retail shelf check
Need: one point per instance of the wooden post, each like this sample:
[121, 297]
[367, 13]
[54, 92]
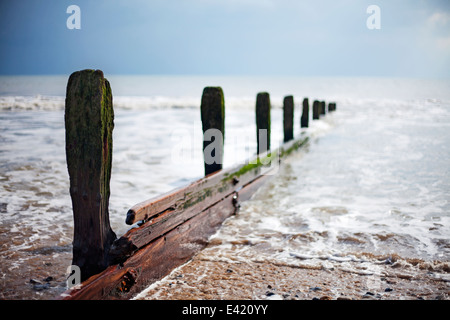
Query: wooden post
[331, 106]
[288, 118]
[89, 121]
[316, 111]
[213, 117]
[304, 121]
[322, 107]
[263, 122]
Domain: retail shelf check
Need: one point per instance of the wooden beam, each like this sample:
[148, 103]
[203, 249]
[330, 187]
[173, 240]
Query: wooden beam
[331, 107]
[322, 107]
[89, 121]
[316, 110]
[212, 187]
[304, 122]
[263, 122]
[172, 237]
[288, 118]
[213, 124]
[162, 255]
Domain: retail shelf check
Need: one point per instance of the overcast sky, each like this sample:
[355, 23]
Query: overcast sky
[236, 37]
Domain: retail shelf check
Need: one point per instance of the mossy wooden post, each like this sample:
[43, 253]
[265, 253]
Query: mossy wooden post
[316, 110]
[213, 117]
[322, 107]
[331, 106]
[89, 121]
[263, 122]
[304, 121]
[288, 118]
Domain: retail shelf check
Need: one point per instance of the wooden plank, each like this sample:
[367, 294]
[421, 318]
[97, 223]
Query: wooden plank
[188, 202]
[191, 200]
[216, 185]
[173, 245]
[157, 259]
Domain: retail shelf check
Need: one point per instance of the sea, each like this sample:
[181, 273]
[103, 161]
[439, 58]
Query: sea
[373, 181]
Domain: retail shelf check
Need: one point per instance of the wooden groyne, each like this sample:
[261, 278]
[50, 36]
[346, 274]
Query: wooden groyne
[172, 227]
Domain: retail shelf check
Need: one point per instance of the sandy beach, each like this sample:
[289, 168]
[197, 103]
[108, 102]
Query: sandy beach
[204, 279]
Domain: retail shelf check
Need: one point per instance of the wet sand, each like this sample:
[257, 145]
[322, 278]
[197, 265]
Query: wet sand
[204, 279]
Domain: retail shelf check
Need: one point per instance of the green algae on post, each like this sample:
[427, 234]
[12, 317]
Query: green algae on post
[89, 122]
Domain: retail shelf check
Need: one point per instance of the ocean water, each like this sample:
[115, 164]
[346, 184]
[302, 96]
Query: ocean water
[373, 182]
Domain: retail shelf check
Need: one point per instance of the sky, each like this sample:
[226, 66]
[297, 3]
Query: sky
[227, 37]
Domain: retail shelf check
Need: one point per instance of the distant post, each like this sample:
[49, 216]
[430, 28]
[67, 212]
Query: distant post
[89, 122]
[331, 106]
[316, 111]
[304, 121]
[322, 107]
[213, 122]
[288, 118]
[263, 122]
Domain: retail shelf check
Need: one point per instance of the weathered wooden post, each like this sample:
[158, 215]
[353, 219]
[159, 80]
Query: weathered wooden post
[304, 121]
[288, 118]
[89, 121]
[213, 122]
[263, 122]
[322, 107]
[316, 111]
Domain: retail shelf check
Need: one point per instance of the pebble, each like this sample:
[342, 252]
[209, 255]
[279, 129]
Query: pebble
[388, 290]
[34, 281]
[315, 289]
